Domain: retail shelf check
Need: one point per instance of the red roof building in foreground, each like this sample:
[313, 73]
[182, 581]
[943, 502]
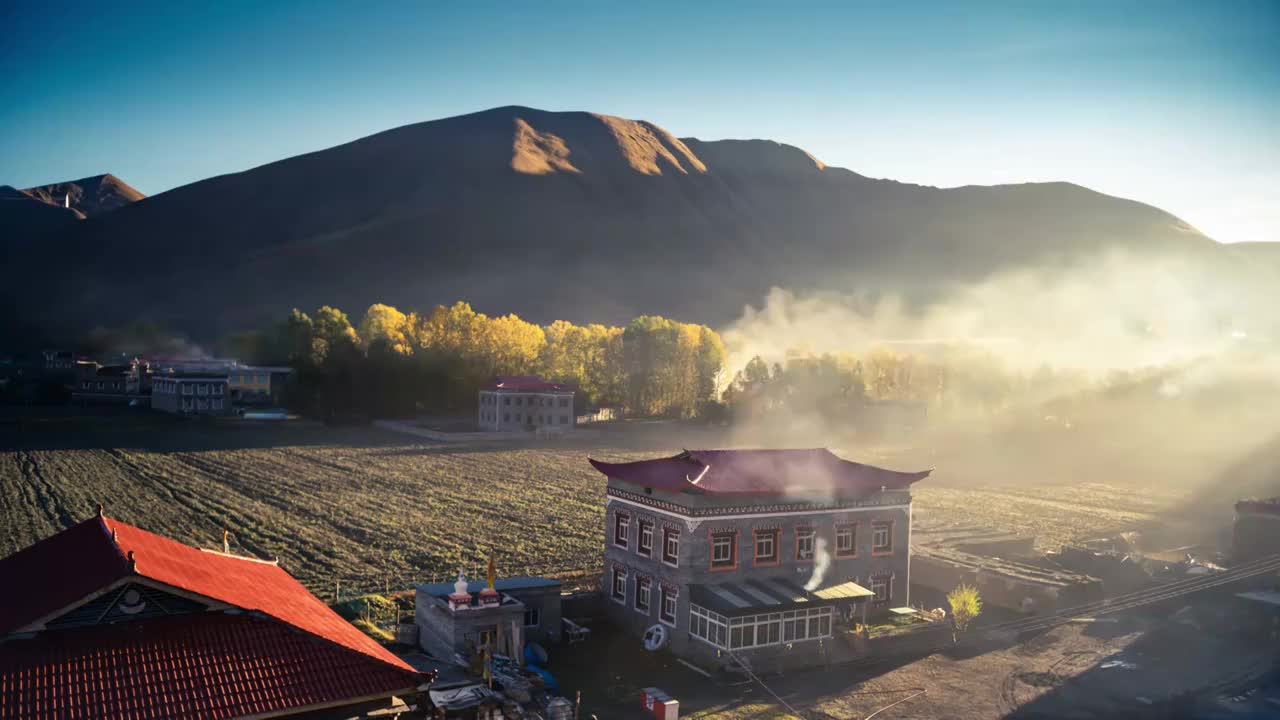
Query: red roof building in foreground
[105, 620]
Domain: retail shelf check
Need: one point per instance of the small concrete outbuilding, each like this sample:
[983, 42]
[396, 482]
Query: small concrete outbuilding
[502, 616]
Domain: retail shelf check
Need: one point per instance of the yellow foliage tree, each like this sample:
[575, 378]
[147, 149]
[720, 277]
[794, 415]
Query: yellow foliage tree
[385, 323]
[965, 604]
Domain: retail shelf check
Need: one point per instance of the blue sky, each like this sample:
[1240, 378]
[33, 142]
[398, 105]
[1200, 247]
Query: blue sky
[1175, 104]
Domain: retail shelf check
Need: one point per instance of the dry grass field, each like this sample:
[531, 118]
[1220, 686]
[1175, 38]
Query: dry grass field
[372, 509]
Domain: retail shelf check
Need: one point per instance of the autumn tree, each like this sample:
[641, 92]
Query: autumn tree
[388, 325]
[965, 604]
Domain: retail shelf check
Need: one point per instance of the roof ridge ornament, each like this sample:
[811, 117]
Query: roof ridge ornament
[701, 475]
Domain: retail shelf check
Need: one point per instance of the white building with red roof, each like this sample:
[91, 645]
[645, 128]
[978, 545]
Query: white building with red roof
[758, 554]
[105, 620]
[526, 402]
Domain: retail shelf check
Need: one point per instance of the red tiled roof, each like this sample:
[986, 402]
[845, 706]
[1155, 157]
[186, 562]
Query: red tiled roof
[67, 567]
[526, 383]
[207, 665]
[758, 472]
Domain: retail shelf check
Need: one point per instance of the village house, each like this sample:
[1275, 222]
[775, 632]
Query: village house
[759, 554]
[191, 394]
[257, 385]
[526, 402]
[111, 384]
[106, 620]
[502, 616]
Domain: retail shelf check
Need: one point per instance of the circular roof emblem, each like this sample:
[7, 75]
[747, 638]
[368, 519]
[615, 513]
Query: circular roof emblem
[132, 602]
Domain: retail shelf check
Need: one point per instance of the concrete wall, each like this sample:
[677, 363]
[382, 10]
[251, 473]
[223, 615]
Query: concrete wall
[1003, 590]
[1256, 535]
[547, 601]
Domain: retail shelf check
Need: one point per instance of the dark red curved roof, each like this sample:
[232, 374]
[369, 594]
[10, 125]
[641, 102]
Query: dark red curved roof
[758, 472]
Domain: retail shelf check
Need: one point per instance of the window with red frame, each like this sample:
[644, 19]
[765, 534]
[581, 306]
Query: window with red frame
[846, 540]
[766, 547]
[805, 539]
[724, 550]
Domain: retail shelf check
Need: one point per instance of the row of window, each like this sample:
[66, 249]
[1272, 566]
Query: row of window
[201, 404]
[754, 631]
[644, 538]
[488, 416]
[642, 599]
[542, 402]
[766, 544]
[251, 379]
[101, 385]
[165, 387]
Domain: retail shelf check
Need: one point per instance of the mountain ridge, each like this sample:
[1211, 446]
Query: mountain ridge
[571, 215]
[89, 197]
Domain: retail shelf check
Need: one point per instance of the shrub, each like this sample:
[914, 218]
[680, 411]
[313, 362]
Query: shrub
[965, 604]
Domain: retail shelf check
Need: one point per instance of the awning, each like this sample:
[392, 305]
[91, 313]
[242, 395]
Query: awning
[770, 595]
[844, 591]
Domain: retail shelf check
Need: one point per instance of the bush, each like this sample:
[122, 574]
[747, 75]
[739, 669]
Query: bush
[372, 630]
[965, 604]
[366, 607]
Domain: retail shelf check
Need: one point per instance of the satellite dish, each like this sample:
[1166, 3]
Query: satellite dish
[655, 637]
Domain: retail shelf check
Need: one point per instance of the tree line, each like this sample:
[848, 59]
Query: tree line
[880, 388]
[396, 363]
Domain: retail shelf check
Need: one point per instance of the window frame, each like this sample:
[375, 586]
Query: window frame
[775, 535]
[811, 533]
[622, 528]
[619, 574]
[852, 551]
[646, 583]
[537, 616]
[642, 525]
[715, 538]
[670, 536]
[887, 526]
[666, 593]
[887, 581]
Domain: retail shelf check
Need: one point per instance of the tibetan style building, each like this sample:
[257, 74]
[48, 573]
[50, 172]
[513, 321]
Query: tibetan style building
[104, 620]
[759, 554]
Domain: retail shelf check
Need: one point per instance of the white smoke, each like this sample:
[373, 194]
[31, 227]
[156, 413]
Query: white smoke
[821, 563]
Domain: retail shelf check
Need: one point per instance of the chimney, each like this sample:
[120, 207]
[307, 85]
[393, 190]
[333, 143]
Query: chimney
[133, 564]
[226, 543]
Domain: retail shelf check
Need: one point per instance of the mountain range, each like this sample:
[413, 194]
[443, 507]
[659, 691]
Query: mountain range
[571, 215]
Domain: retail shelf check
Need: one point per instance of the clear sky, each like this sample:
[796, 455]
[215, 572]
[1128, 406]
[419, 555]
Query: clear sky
[1175, 104]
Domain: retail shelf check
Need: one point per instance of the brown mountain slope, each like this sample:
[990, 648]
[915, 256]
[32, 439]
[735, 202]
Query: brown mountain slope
[91, 196]
[23, 218]
[559, 215]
